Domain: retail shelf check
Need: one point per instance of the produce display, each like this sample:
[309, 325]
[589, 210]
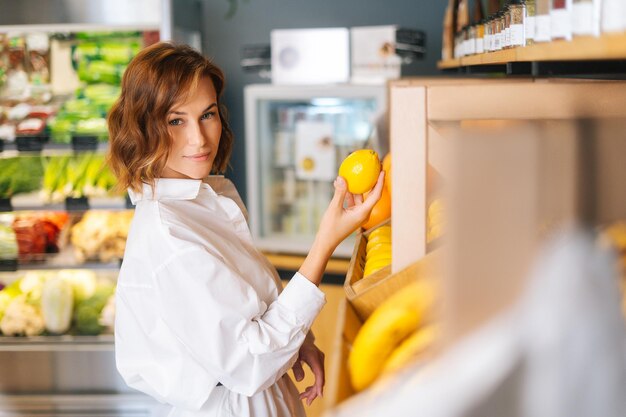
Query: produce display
[29, 236]
[8, 240]
[360, 169]
[377, 250]
[57, 302]
[101, 235]
[20, 175]
[82, 175]
[397, 333]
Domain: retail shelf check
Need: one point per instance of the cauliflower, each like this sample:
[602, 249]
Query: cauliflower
[21, 318]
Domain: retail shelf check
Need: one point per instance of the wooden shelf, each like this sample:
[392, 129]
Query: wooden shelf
[293, 263]
[605, 47]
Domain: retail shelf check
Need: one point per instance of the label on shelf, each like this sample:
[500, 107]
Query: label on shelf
[529, 27]
[77, 204]
[8, 265]
[517, 35]
[507, 37]
[560, 24]
[84, 143]
[487, 43]
[498, 42]
[5, 204]
[542, 28]
[30, 143]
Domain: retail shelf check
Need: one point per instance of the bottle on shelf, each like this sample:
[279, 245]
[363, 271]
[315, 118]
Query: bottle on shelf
[586, 18]
[542, 21]
[529, 21]
[517, 11]
[561, 20]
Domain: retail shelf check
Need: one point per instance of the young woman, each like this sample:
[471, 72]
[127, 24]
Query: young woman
[202, 321]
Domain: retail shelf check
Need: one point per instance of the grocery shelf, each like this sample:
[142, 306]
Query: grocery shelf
[64, 343]
[608, 47]
[49, 149]
[33, 202]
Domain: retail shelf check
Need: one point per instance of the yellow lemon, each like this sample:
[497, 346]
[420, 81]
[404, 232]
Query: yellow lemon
[360, 169]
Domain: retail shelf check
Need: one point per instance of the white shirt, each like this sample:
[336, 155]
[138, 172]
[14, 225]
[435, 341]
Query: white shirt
[198, 304]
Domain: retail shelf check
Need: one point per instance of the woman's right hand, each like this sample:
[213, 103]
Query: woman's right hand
[338, 221]
[337, 224]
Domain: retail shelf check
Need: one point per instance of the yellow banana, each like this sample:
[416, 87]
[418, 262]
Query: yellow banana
[395, 319]
[376, 240]
[414, 345]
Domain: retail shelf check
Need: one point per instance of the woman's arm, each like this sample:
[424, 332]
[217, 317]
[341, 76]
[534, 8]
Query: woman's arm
[337, 224]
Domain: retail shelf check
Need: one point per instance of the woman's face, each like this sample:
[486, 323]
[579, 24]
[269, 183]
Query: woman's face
[195, 128]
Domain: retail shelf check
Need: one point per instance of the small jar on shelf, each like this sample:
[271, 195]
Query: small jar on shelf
[613, 16]
[585, 18]
[561, 20]
[487, 38]
[471, 40]
[507, 26]
[480, 37]
[542, 21]
[529, 21]
[516, 27]
[501, 31]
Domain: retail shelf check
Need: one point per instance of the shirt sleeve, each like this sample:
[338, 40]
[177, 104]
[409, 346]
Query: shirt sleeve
[220, 320]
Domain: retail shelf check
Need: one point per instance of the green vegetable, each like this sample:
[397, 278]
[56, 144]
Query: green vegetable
[87, 314]
[20, 175]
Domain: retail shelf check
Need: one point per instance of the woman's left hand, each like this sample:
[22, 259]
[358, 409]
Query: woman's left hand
[314, 358]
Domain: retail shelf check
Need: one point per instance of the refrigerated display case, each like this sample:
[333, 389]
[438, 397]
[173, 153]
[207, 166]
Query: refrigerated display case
[56, 226]
[296, 138]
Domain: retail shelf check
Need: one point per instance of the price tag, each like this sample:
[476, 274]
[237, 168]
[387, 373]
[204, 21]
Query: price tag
[8, 265]
[84, 143]
[30, 143]
[5, 204]
[77, 204]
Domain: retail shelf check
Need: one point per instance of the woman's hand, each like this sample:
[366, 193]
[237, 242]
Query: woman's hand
[339, 221]
[337, 224]
[314, 358]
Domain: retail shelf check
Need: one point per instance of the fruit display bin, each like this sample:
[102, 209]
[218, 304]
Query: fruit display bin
[348, 325]
[355, 283]
[365, 294]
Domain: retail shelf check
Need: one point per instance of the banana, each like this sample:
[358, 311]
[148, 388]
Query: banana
[395, 319]
[373, 241]
[411, 348]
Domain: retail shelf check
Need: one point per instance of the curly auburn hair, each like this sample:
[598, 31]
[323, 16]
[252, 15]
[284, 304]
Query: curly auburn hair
[159, 77]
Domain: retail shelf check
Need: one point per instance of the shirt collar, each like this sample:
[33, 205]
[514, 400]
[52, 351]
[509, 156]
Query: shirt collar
[168, 189]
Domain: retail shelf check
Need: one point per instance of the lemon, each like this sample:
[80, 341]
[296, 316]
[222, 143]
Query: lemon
[360, 169]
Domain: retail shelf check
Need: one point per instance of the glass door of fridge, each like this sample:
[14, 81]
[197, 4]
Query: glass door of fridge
[299, 145]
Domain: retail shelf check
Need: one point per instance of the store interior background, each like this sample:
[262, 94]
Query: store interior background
[223, 38]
